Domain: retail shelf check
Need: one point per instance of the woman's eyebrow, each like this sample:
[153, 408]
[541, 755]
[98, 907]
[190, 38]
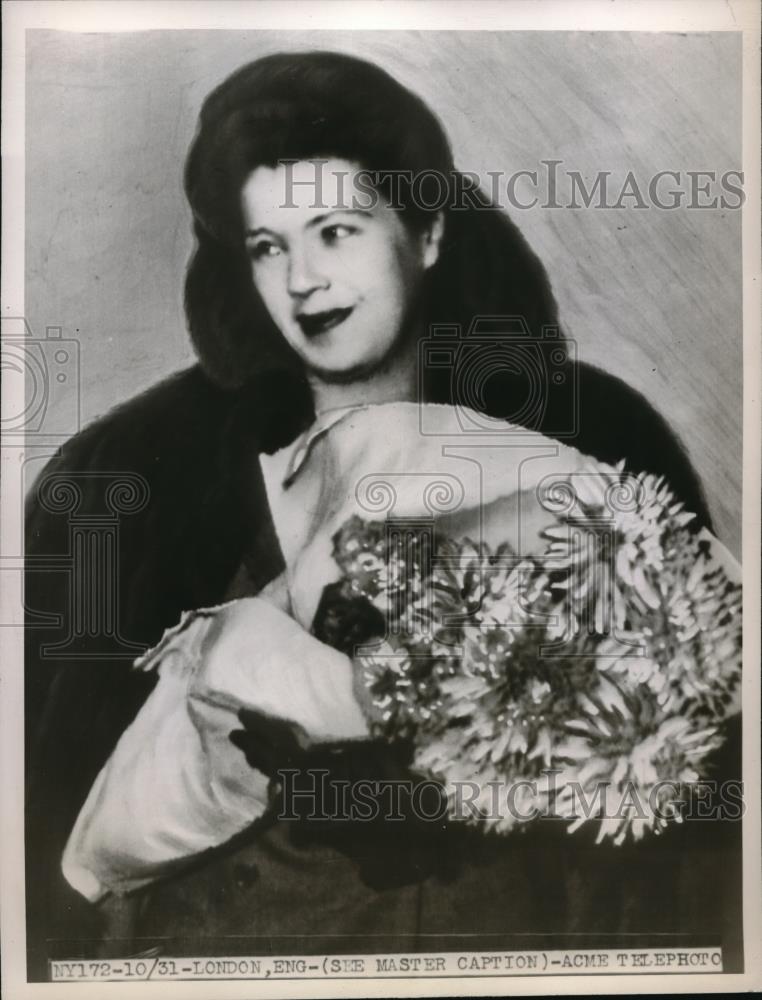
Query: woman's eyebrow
[261, 231]
[319, 219]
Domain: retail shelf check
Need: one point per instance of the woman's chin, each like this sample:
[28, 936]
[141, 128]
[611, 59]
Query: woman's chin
[336, 364]
[342, 373]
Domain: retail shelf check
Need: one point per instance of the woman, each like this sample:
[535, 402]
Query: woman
[295, 313]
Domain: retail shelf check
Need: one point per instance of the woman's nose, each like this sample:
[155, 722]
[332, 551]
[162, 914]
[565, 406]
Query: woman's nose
[305, 275]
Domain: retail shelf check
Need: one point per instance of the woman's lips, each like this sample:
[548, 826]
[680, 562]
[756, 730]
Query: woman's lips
[313, 324]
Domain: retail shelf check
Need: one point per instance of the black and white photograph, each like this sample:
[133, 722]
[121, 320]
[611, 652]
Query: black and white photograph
[380, 451]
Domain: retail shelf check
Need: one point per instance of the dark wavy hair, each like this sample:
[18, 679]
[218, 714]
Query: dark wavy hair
[295, 106]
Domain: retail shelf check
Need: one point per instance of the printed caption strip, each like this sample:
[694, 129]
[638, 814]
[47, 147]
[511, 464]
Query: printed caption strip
[527, 963]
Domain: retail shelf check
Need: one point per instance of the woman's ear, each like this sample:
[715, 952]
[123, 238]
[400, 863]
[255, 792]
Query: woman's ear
[432, 240]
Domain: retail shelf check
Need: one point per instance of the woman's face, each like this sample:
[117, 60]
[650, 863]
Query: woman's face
[339, 281]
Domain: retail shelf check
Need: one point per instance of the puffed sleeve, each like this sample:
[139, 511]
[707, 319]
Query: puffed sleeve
[175, 785]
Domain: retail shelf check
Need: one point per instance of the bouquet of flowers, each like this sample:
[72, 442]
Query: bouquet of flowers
[607, 662]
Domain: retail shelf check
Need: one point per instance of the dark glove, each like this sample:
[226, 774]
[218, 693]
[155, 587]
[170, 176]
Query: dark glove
[269, 743]
[344, 795]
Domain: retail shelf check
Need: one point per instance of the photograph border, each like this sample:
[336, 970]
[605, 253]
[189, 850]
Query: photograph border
[535, 15]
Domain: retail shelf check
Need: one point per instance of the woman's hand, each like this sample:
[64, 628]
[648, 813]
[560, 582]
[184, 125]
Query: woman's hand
[314, 792]
[268, 744]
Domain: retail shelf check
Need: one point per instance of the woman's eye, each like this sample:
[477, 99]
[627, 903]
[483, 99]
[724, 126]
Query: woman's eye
[337, 232]
[263, 249]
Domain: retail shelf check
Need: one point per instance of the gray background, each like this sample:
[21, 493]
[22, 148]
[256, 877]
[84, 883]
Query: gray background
[652, 296]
